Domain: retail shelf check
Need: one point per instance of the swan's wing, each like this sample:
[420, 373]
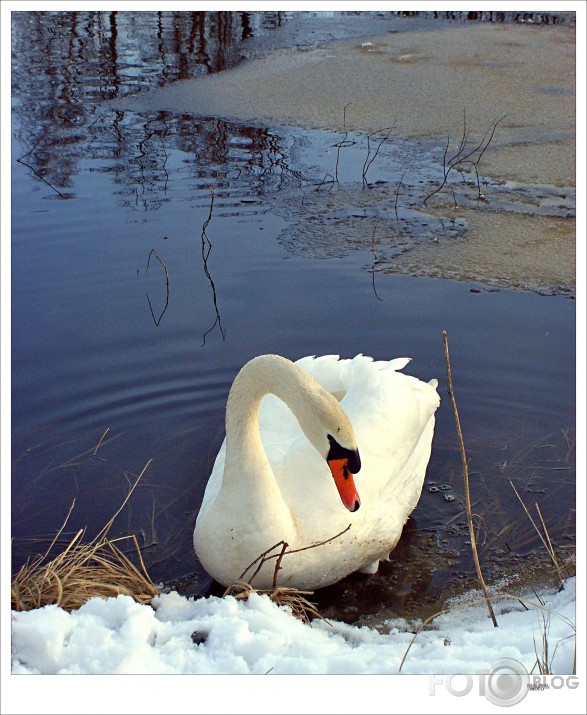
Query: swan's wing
[328, 370]
[335, 374]
[393, 419]
[214, 482]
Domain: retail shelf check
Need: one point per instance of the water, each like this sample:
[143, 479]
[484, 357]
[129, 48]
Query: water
[129, 324]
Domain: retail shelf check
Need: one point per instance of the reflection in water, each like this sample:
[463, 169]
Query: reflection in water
[81, 59]
[21, 160]
[67, 64]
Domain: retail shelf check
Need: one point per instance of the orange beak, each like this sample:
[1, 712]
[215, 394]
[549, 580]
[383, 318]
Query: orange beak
[345, 483]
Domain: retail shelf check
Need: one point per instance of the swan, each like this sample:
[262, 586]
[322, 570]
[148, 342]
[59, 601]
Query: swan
[298, 433]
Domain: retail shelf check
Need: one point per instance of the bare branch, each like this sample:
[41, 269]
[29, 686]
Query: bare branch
[368, 161]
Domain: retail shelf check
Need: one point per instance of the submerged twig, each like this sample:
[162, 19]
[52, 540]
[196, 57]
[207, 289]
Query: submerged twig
[206, 248]
[158, 320]
[465, 465]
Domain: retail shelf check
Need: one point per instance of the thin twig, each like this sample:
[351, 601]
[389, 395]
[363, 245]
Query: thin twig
[206, 248]
[104, 531]
[368, 161]
[58, 534]
[546, 545]
[399, 183]
[155, 320]
[465, 465]
[319, 543]
[343, 142]
[260, 558]
[464, 158]
[100, 441]
[264, 557]
[374, 258]
[331, 182]
[278, 563]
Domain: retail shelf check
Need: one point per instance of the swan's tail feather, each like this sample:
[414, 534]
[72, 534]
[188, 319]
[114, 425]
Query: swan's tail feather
[338, 376]
[398, 363]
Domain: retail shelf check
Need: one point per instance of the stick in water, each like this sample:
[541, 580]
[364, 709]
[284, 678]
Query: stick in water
[466, 481]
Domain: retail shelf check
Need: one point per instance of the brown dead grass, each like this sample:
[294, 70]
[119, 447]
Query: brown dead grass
[293, 598]
[82, 571]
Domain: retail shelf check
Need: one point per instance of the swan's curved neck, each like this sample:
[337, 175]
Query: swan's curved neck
[262, 375]
[247, 471]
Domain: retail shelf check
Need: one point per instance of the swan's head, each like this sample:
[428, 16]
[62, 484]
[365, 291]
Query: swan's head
[343, 463]
[330, 431]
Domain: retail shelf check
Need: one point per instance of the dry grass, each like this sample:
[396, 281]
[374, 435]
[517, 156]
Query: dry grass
[82, 571]
[294, 599]
[544, 537]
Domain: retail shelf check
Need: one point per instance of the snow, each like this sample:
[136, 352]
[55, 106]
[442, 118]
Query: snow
[256, 636]
[213, 635]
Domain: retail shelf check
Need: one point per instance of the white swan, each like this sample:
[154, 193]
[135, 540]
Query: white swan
[271, 479]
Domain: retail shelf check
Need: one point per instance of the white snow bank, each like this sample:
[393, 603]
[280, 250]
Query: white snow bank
[226, 636]
[213, 636]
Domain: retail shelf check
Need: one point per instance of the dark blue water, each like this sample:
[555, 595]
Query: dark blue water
[102, 345]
